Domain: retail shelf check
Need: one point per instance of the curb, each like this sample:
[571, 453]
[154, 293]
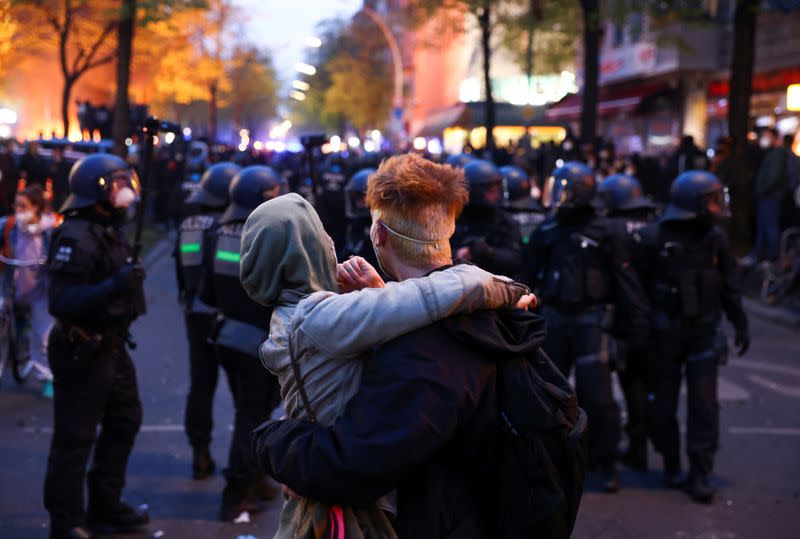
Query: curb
[159, 250]
[779, 315]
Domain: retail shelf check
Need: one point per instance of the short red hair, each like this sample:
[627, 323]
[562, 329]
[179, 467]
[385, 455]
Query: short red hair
[419, 199]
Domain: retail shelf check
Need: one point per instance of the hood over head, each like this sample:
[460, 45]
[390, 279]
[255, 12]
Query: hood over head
[285, 247]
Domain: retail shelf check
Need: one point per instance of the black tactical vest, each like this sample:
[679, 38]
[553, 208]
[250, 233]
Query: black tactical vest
[232, 300]
[190, 254]
[686, 281]
[576, 274]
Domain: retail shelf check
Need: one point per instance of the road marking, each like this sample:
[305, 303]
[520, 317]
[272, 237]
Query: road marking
[776, 431]
[144, 428]
[764, 366]
[728, 391]
[786, 391]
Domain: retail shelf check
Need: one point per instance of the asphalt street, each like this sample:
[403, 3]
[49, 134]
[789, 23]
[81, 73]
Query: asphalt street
[757, 471]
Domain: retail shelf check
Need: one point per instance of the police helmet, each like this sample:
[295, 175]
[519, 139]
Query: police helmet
[215, 186]
[620, 192]
[459, 160]
[356, 191]
[482, 176]
[516, 184]
[696, 193]
[95, 178]
[249, 189]
[571, 185]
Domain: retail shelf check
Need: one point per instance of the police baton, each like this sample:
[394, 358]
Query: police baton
[149, 129]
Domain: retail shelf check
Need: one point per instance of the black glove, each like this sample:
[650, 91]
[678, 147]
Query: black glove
[742, 342]
[130, 277]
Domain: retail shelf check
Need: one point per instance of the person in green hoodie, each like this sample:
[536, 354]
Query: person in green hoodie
[320, 339]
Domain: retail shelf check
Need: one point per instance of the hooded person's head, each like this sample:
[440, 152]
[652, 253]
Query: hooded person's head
[414, 205]
[285, 247]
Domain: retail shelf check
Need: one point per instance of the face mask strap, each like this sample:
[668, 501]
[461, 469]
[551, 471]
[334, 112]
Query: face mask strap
[407, 238]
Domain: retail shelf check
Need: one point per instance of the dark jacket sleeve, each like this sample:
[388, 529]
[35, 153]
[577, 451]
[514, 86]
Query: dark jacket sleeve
[70, 294]
[503, 255]
[731, 285]
[408, 406]
[534, 259]
[630, 294]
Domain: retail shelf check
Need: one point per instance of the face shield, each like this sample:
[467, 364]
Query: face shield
[554, 193]
[717, 203]
[124, 188]
[355, 205]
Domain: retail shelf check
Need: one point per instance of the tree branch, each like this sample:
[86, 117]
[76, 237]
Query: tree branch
[88, 58]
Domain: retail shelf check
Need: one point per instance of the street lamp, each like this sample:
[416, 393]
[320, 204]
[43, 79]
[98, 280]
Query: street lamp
[302, 86]
[306, 69]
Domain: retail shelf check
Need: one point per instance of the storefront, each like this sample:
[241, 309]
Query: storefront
[463, 124]
[638, 117]
[768, 104]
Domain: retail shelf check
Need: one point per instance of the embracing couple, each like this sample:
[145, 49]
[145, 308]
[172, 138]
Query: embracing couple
[418, 408]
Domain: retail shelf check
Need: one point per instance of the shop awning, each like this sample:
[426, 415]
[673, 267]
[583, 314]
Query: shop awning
[611, 101]
[471, 115]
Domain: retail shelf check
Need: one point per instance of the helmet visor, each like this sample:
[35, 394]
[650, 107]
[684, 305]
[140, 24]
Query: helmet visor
[124, 187]
[554, 193]
[717, 203]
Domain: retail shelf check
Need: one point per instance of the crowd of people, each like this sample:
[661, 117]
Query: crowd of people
[409, 372]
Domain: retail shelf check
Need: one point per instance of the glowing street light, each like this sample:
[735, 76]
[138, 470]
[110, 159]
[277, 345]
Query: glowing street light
[420, 143]
[353, 142]
[299, 96]
[187, 132]
[306, 69]
[300, 85]
[169, 138]
[336, 141]
[314, 42]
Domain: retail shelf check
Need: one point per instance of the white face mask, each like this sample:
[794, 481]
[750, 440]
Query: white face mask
[124, 198]
[23, 217]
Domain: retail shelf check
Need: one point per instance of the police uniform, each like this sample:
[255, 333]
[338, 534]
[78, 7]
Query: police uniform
[95, 293]
[580, 263]
[241, 327]
[206, 205]
[331, 201]
[492, 237]
[623, 199]
[526, 211]
[359, 221]
[691, 278]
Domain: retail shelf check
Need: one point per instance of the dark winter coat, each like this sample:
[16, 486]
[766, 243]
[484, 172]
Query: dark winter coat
[424, 421]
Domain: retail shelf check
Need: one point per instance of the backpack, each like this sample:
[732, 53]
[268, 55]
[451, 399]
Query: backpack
[542, 450]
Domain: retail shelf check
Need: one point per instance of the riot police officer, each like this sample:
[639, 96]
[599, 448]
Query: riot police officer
[459, 160]
[358, 218]
[622, 198]
[484, 233]
[205, 206]
[523, 208]
[330, 202]
[691, 278]
[242, 325]
[95, 292]
[580, 263]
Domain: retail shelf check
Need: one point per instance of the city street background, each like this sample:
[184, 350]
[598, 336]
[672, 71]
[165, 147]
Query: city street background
[757, 471]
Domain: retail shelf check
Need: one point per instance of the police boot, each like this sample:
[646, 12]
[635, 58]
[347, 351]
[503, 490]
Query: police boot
[234, 500]
[698, 487]
[610, 478]
[203, 465]
[77, 532]
[636, 455]
[264, 489]
[116, 517]
[672, 472]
